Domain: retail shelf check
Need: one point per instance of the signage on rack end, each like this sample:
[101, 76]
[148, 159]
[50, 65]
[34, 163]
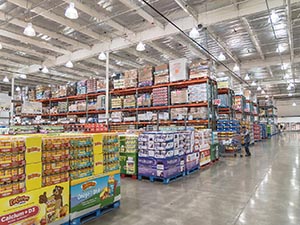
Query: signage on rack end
[217, 102]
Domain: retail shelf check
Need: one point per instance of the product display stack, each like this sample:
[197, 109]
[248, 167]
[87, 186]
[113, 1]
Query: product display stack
[162, 155]
[128, 155]
[257, 132]
[229, 136]
[161, 74]
[204, 145]
[145, 76]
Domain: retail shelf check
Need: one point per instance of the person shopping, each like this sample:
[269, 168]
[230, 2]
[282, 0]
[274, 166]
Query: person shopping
[246, 135]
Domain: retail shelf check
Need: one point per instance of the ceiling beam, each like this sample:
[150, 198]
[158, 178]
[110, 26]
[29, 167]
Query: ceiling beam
[58, 19]
[28, 40]
[190, 46]
[18, 58]
[100, 16]
[132, 5]
[290, 35]
[20, 23]
[207, 18]
[130, 63]
[114, 68]
[164, 50]
[143, 55]
[188, 9]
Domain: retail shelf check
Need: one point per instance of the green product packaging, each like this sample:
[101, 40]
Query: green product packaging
[128, 163]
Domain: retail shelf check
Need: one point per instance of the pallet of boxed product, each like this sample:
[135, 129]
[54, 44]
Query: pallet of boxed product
[42, 92]
[198, 113]
[179, 113]
[81, 87]
[117, 102]
[224, 82]
[179, 96]
[55, 91]
[101, 85]
[160, 96]
[144, 100]
[225, 101]
[145, 76]
[91, 85]
[200, 68]
[62, 91]
[198, 93]
[178, 69]
[129, 101]
[71, 88]
[131, 77]
[118, 81]
[161, 74]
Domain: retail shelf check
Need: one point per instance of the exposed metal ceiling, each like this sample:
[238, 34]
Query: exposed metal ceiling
[240, 29]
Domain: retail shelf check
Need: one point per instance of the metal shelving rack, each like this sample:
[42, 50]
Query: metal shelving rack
[227, 110]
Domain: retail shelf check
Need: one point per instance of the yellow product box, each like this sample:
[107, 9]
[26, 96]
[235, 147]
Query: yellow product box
[33, 176]
[98, 164]
[33, 149]
[98, 144]
[38, 207]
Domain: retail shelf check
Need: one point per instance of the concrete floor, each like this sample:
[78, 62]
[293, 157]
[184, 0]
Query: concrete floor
[263, 189]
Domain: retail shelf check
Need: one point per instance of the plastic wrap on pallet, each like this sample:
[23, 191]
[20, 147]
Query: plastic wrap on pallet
[144, 100]
[197, 93]
[179, 113]
[179, 96]
[160, 96]
[198, 113]
[161, 74]
[178, 69]
[145, 76]
[81, 87]
[225, 100]
[130, 77]
[199, 68]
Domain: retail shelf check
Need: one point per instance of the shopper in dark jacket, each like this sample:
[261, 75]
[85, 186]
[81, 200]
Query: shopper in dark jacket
[246, 135]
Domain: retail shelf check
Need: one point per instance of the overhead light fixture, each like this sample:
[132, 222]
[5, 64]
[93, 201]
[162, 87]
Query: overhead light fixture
[221, 57]
[274, 17]
[5, 79]
[29, 31]
[263, 92]
[294, 104]
[71, 12]
[194, 33]
[23, 76]
[292, 85]
[253, 83]
[236, 68]
[102, 56]
[140, 47]
[289, 88]
[280, 48]
[284, 66]
[258, 88]
[69, 64]
[45, 70]
[247, 77]
[286, 76]
[290, 94]
[18, 89]
[1, 46]
[267, 96]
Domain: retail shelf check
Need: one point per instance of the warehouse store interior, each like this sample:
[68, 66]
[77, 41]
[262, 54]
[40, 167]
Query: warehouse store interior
[147, 111]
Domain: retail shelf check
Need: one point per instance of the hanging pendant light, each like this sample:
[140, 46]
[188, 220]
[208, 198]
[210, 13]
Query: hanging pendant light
[253, 83]
[236, 68]
[18, 89]
[194, 33]
[23, 76]
[294, 104]
[247, 77]
[71, 12]
[263, 92]
[290, 94]
[5, 79]
[29, 31]
[259, 88]
[140, 47]
[221, 57]
[267, 96]
[69, 64]
[102, 56]
[274, 17]
[280, 48]
[45, 70]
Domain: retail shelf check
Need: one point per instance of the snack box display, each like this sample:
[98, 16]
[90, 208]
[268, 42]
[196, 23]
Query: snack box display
[46, 205]
[161, 74]
[94, 193]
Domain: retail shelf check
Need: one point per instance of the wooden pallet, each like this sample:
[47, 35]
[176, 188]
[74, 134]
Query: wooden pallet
[161, 179]
[132, 176]
[188, 172]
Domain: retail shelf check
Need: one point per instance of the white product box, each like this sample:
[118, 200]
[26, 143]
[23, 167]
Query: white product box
[178, 69]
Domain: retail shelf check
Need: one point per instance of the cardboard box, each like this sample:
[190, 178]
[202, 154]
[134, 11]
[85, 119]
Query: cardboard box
[33, 176]
[178, 69]
[43, 206]
[33, 150]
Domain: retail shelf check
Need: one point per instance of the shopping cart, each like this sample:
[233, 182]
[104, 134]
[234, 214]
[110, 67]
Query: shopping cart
[231, 146]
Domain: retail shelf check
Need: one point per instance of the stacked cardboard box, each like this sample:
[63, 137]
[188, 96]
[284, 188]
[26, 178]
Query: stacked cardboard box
[130, 78]
[145, 76]
[200, 68]
[198, 93]
[161, 74]
[160, 96]
[179, 96]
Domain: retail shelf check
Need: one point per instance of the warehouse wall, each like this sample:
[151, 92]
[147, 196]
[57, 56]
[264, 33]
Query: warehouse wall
[285, 107]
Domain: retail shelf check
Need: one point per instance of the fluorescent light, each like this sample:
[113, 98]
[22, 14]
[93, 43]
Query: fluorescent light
[253, 83]
[71, 12]
[45, 70]
[274, 17]
[102, 56]
[140, 47]
[69, 64]
[247, 77]
[290, 94]
[194, 33]
[294, 104]
[5, 79]
[18, 89]
[263, 92]
[23, 76]
[236, 68]
[259, 88]
[29, 31]
[221, 57]
[280, 48]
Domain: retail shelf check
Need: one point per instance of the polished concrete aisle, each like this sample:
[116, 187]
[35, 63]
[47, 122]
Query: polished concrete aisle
[263, 189]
